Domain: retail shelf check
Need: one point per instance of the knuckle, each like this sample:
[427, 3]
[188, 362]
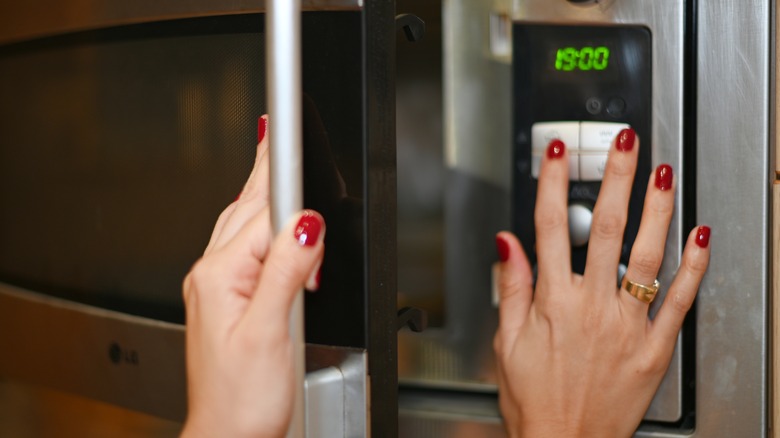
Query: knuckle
[646, 264]
[661, 207]
[620, 168]
[653, 363]
[681, 302]
[509, 286]
[550, 221]
[288, 274]
[608, 225]
[695, 265]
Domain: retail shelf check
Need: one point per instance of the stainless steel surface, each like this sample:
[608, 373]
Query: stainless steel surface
[336, 392]
[580, 218]
[135, 364]
[33, 411]
[21, 20]
[325, 395]
[733, 197]
[477, 153]
[283, 23]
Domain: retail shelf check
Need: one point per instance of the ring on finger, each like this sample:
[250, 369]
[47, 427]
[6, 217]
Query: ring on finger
[642, 292]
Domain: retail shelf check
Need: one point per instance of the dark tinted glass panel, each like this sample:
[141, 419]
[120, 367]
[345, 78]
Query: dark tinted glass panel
[119, 149]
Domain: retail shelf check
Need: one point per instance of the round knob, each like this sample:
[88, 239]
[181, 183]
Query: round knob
[580, 218]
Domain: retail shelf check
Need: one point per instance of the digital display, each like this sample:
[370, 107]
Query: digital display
[582, 59]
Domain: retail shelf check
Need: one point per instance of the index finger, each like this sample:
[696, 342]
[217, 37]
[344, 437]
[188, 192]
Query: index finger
[551, 216]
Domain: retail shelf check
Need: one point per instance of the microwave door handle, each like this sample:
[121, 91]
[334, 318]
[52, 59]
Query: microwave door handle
[284, 88]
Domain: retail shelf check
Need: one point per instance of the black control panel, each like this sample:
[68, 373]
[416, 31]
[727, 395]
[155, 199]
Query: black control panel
[582, 85]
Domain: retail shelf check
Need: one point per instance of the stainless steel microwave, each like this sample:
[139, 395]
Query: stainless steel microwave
[697, 81]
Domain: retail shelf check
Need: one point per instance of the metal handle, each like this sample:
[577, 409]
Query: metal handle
[283, 66]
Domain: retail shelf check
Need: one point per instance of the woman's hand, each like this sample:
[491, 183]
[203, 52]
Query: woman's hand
[579, 357]
[238, 299]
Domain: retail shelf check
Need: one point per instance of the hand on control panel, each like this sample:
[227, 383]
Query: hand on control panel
[578, 356]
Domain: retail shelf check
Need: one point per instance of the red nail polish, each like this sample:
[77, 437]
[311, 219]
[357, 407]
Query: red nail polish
[625, 140]
[237, 197]
[556, 149]
[663, 177]
[503, 249]
[703, 236]
[262, 124]
[308, 229]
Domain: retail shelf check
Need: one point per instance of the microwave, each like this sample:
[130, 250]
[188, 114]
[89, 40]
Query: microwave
[696, 80]
[126, 129]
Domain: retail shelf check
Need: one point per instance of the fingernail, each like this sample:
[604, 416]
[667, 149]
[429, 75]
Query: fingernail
[308, 229]
[503, 249]
[555, 149]
[703, 236]
[262, 124]
[237, 197]
[663, 177]
[625, 140]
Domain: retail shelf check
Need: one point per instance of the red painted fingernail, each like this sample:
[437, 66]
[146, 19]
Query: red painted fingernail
[625, 140]
[262, 124]
[308, 229]
[503, 248]
[555, 149]
[703, 236]
[663, 177]
[237, 197]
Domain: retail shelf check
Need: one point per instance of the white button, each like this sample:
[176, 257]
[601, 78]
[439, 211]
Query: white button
[580, 218]
[543, 133]
[598, 136]
[574, 164]
[592, 167]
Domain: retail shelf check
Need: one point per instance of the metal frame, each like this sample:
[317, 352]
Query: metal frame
[20, 21]
[445, 357]
[734, 179]
[733, 99]
[165, 341]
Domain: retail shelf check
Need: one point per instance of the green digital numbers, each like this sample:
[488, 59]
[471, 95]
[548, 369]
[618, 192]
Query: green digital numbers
[585, 59]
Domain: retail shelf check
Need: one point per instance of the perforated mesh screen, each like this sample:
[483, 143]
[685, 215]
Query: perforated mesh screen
[117, 156]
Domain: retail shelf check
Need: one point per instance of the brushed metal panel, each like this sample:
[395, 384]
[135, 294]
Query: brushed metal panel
[133, 362]
[774, 372]
[20, 20]
[139, 364]
[477, 150]
[733, 183]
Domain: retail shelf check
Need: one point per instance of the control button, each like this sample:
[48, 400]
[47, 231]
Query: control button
[574, 164]
[580, 218]
[543, 133]
[616, 107]
[598, 136]
[592, 167]
[593, 106]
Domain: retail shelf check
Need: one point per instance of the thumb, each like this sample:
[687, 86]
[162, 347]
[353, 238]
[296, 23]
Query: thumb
[515, 285]
[295, 255]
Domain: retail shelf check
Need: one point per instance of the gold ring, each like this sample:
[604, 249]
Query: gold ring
[641, 292]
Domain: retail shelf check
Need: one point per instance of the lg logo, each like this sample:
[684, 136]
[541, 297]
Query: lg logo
[118, 355]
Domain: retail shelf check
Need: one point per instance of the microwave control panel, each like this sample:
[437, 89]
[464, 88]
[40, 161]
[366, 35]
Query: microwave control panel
[581, 85]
